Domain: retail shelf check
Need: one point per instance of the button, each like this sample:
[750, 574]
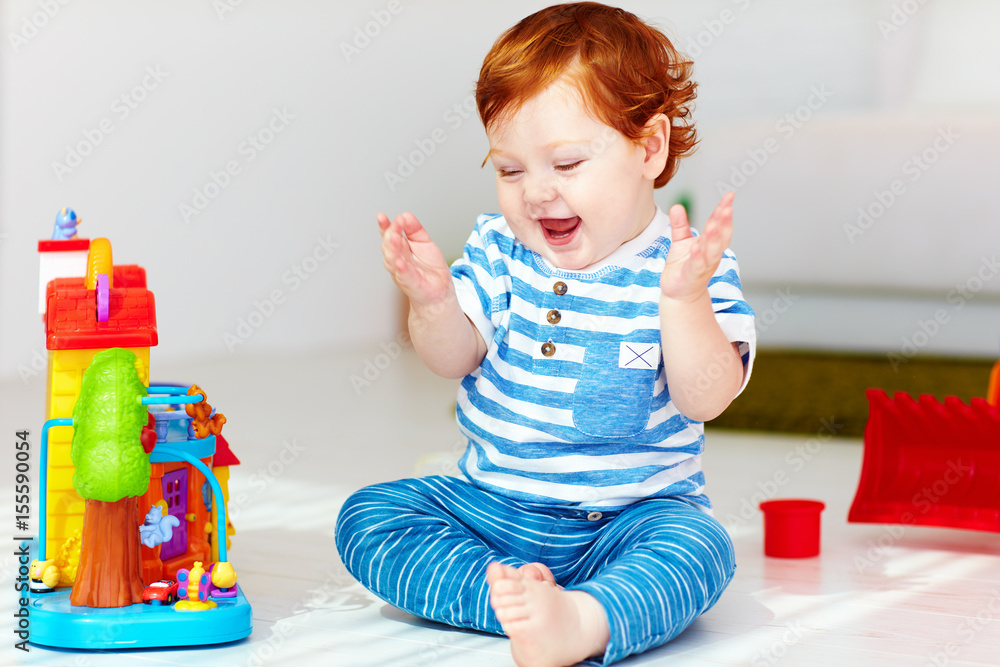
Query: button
[560, 288]
[594, 516]
[553, 316]
[548, 349]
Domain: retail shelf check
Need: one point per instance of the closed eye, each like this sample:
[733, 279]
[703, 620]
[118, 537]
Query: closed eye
[568, 167]
[507, 173]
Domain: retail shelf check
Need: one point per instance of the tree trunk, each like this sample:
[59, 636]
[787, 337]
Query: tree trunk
[110, 572]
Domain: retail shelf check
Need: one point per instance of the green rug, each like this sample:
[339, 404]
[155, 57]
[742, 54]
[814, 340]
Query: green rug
[812, 392]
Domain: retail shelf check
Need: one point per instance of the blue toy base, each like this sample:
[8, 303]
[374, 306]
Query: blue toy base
[56, 623]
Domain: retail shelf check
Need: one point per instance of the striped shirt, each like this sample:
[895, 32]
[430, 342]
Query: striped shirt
[570, 405]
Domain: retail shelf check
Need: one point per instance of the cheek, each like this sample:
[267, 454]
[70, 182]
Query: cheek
[506, 198]
[510, 205]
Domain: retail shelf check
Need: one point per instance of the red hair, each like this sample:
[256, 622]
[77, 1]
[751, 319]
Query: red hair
[626, 71]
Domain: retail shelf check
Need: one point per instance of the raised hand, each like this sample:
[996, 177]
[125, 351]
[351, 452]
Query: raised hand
[443, 336]
[693, 259]
[414, 261]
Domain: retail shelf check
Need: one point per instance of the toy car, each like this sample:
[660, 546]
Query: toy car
[159, 592]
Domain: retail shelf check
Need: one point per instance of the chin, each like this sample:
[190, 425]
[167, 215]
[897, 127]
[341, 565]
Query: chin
[568, 263]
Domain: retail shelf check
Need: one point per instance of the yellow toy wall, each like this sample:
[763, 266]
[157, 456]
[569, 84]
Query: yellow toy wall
[64, 511]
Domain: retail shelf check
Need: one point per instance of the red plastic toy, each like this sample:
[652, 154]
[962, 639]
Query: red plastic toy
[163, 591]
[792, 527]
[930, 463]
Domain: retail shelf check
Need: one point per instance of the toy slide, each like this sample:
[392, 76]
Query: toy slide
[930, 463]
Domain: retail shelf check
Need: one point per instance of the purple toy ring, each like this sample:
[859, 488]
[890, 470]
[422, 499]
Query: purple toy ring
[103, 297]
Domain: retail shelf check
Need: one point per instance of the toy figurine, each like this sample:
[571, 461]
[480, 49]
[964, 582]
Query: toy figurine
[158, 528]
[66, 223]
[43, 575]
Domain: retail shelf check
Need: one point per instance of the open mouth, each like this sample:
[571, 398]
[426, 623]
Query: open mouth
[559, 231]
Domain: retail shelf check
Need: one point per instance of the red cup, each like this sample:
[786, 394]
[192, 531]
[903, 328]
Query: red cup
[791, 527]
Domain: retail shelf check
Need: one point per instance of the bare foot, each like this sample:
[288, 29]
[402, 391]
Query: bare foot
[538, 572]
[547, 626]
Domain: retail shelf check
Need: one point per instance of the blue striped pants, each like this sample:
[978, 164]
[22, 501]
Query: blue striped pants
[423, 545]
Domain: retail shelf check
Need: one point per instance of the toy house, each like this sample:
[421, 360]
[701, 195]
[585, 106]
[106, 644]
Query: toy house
[73, 335]
[92, 306]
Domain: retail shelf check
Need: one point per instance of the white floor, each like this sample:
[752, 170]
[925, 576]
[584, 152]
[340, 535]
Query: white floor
[308, 436]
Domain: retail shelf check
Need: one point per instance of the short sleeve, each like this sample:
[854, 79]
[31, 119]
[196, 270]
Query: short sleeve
[478, 276]
[732, 312]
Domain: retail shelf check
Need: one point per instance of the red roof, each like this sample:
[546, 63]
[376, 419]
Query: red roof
[63, 245]
[71, 313]
[223, 455]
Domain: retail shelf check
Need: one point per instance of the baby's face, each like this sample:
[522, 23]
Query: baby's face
[571, 188]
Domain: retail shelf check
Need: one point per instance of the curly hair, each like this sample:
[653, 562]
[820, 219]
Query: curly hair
[626, 70]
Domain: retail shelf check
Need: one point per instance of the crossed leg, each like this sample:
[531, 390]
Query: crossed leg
[446, 551]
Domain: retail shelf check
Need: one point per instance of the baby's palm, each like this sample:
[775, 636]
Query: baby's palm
[414, 261]
[692, 260]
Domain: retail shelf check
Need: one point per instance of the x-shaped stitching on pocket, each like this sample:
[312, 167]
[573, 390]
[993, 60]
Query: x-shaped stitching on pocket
[639, 353]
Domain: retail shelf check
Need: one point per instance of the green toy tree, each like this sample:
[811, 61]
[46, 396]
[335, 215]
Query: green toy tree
[111, 472]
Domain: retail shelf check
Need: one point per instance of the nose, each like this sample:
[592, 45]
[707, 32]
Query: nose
[538, 189]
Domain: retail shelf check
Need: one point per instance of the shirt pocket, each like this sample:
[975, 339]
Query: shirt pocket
[611, 401]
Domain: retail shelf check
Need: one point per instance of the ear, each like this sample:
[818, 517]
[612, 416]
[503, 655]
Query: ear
[656, 145]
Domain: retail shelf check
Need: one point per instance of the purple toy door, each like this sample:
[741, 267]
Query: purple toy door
[175, 495]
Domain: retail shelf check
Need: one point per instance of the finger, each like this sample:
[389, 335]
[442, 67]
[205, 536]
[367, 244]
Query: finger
[395, 250]
[383, 221]
[399, 243]
[696, 261]
[721, 227]
[413, 229]
[679, 227]
[719, 230]
[725, 204]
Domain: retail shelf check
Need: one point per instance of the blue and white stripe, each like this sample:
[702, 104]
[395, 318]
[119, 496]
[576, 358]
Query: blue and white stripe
[423, 545]
[573, 428]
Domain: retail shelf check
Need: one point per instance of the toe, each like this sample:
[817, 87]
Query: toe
[497, 571]
[537, 572]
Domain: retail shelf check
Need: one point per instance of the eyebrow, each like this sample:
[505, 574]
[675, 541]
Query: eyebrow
[549, 146]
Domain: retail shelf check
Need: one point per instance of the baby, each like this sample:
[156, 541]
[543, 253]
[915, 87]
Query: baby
[593, 336]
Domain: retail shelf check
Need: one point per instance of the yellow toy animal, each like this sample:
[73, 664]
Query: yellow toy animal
[43, 575]
[223, 575]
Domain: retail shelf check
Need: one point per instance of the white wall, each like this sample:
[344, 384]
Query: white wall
[347, 118]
